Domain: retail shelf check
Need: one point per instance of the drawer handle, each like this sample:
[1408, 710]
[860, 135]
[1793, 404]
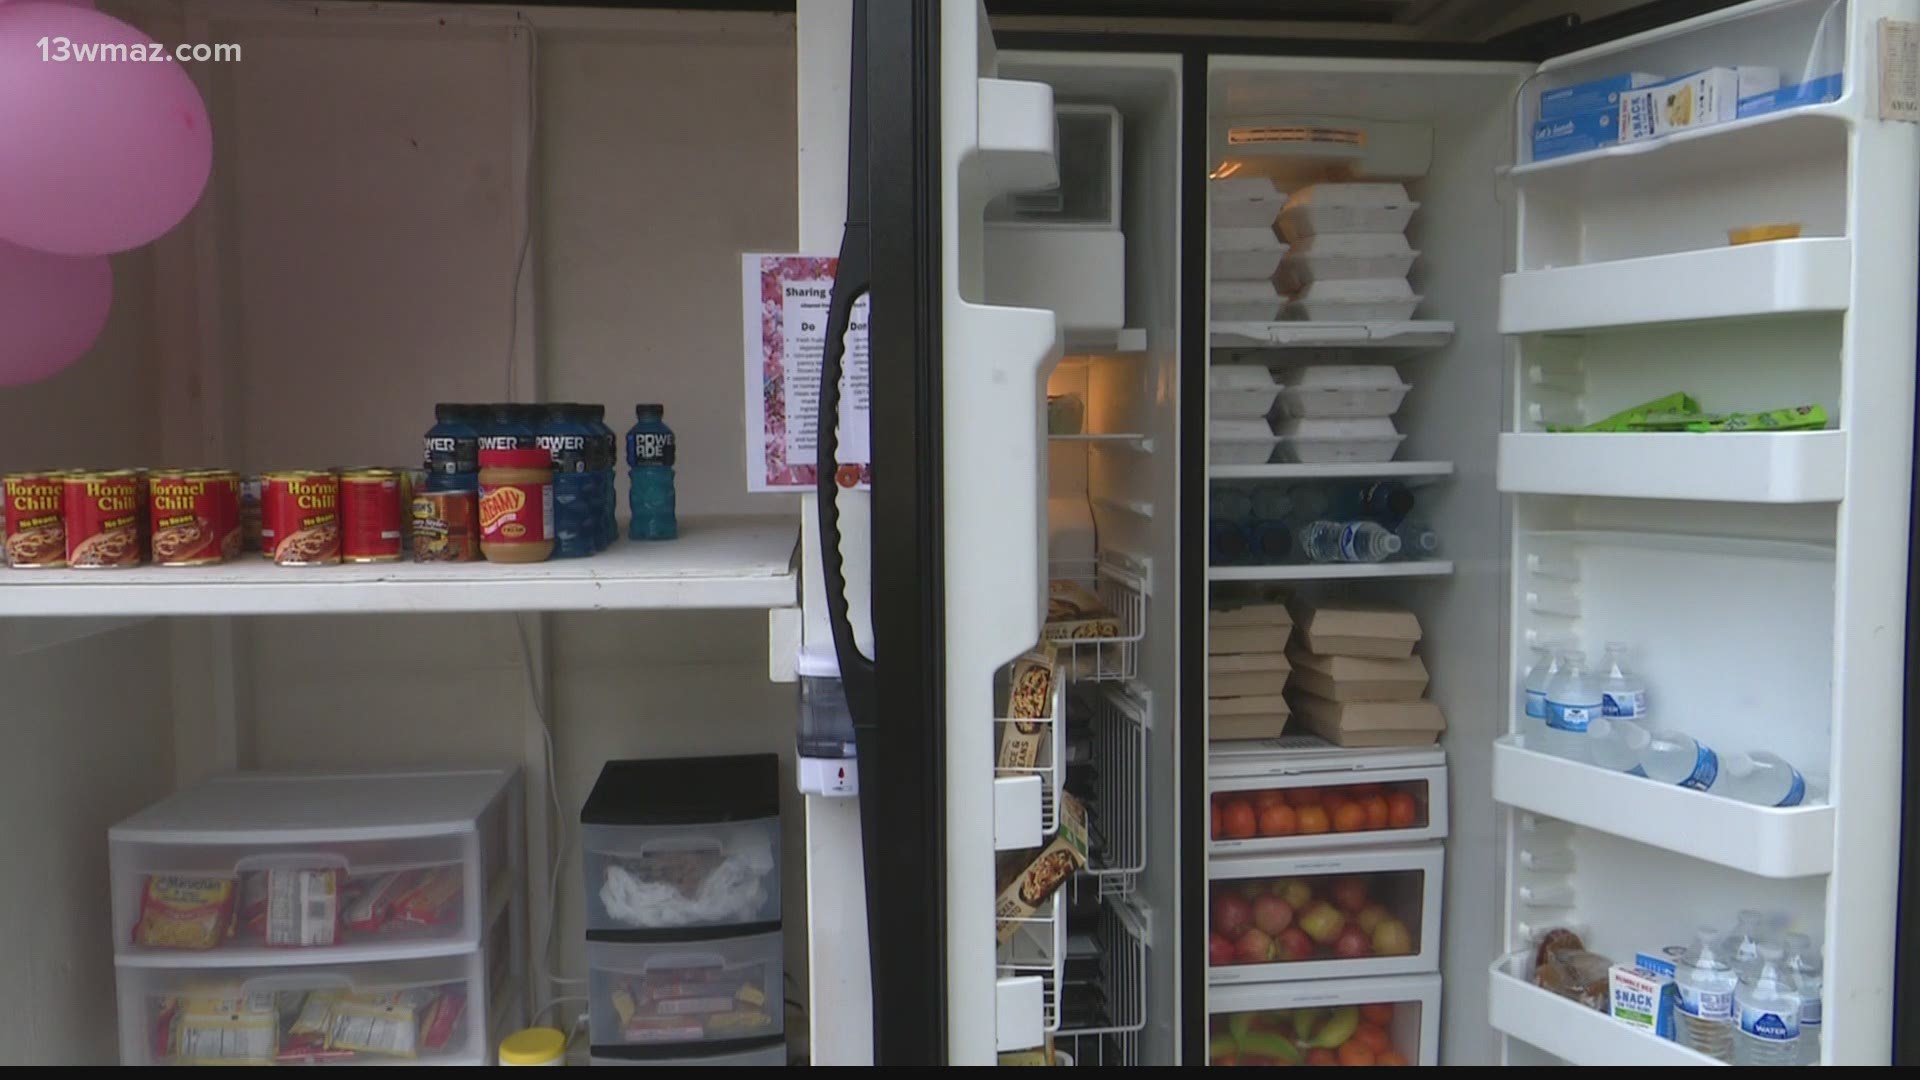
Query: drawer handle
[291, 861]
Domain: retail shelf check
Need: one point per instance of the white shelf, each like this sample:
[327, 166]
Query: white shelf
[265, 956]
[1414, 472]
[1569, 1030]
[1332, 571]
[1775, 278]
[716, 563]
[1754, 467]
[1402, 334]
[1770, 842]
[1106, 342]
[1714, 151]
[1128, 440]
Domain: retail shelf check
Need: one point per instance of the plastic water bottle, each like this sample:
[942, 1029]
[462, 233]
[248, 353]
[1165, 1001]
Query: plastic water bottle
[1616, 746]
[1673, 757]
[1417, 540]
[606, 456]
[1573, 700]
[650, 475]
[1227, 543]
[505, 427]
[1309, 501]
[1271, 542]
[1742, 946]
[1769, 1013]
[1385, 501]
[1271, 503]
[1803, 963]
[1348, 541]
[575, 515]
[1231, 502]
[1623, 695]
[1705, 984]
[1761, 778]
[1533, 688]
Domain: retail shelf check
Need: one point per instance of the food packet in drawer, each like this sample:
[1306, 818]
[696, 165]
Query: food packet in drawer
[180, 912]
[1029, 689]
[302, 907]
[379, 1023]
[226, 1029]
[1074, 613]
[432, 899]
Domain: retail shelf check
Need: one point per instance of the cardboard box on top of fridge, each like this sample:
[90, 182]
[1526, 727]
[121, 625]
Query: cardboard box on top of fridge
[1219, 664]
[1370, 723]
[1228, 640]
[1255, 614]
[1575, 134]
[1271, 683]
[1350, 629]
[1269, 725]
[1027, 878]
[1705, 97]
[1592, 95]
[1357, 678]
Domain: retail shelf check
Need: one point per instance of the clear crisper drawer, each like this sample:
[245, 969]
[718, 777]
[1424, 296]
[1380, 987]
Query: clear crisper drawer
[426, 1011]
[653, 877]
[686, 992]
[1390, 1020]
[1291, 800]
[1322, 916]
[769, 1051]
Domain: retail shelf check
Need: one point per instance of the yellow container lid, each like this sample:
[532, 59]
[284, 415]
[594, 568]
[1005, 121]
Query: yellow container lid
[533, 1046]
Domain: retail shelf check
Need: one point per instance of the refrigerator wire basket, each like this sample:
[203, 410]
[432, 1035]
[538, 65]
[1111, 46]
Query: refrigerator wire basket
[1039, 947]
[1119, 580]
[1051, 764]
[1117, 798]
[1115, 1038]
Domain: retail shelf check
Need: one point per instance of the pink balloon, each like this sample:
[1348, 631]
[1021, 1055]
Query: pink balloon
[51, 309]
[96, 155]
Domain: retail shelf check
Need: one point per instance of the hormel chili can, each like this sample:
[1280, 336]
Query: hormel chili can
[194, 515]
[36, 522]
[103, 514]
[370, 515]
[300, 517]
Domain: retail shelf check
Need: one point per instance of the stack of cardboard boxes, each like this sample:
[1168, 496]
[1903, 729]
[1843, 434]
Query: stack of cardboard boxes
[1356, 681]
[1247, 669]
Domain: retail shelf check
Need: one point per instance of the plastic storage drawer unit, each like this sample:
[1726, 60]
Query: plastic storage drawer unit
[769, 1051]
[682, 844]
[704, 994]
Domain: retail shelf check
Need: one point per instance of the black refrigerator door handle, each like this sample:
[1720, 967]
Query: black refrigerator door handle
[850, 283]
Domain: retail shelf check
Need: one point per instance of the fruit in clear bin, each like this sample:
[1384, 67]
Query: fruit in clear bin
[1368, 789]
[1340, 1026]
[1355, 1055]
[1219, 950]
[1322, 1057]
[1392, 938]
[1380, 1014]
[1272, 914]
[1374, 1036]
[1271, 1048]
[1251, 888]
[1304, 796]
[1352, 943]
[1254, 947]
[1312, 819]
[1293, 944]
[1322, 922]
[1402, 812]
[1349, 893]
[1278, 820]
[1295, 891]
[1270, 797]
[1232, 913]
[1370, 918]
[1349, 817]
[1378, 815]
[1237, 819]
[1306, 1024]
[1223, 1050]
[1389, 1057]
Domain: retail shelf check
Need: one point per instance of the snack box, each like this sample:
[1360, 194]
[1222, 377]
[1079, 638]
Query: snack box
[1705, 97]
[1812, 92]
[1357, 630]
[1027, 879]
[1641, 998]
[1074, 613]
[1354, 678]
[1370, 723]
[1029, 690]
[1575, 134]
[1592, 95]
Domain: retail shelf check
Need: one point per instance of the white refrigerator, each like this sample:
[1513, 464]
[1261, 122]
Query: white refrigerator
[1758, 575]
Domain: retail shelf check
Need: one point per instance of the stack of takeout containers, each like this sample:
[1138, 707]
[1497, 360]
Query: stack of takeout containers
[1348, 256]
[1356, 680]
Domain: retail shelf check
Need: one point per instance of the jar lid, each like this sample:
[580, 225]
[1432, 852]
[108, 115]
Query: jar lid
[533, 457]
[533, 1046]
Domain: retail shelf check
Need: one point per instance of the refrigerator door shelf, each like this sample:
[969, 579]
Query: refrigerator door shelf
[1569, 1030]
[1746, 280]
[1743, 466]
[1768, 841]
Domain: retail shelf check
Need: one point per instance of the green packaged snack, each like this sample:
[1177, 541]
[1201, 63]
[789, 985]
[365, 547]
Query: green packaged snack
[1627, 419]
[1798, 418]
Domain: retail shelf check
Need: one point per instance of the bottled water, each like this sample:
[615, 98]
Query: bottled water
[1705, 982]
[1417, 540]
[1309, 501]
[1674, 757]
[1272, 542]
[1742, 946]
[1533, 686]
[1761, 778]
[1271, 503]
[1573, 699]
[650, 476]
[1227, 543]
[1616, 745]
[1769, 1017]
[1231, 502]
[1348, 541]
[1623, 695]
[1803, 963]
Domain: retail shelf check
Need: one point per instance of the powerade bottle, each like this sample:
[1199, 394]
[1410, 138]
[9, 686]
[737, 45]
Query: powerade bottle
[452, 445]
[607, 453]
[574, 518]
[650, 475]
[506, 428]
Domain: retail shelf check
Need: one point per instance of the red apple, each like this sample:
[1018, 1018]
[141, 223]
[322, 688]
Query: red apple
[1250, 889]
[1272, 914]
[1322, 922]
[1350, 893]
[1371, 916]
[1296, 893]
[1391, 938]
[1231, 913]
[1293, 944]
[1352, 942]
[1219, 950]
[1254, 947]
